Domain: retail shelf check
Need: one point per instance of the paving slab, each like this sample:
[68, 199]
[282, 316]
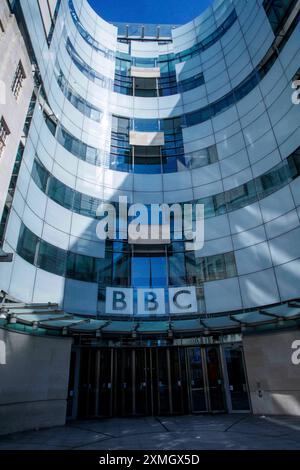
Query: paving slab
[196, 432]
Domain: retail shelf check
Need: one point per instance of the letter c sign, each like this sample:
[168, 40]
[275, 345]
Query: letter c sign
[183, 300]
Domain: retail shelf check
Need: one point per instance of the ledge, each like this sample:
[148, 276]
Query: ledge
[146, 139]
[145, 72]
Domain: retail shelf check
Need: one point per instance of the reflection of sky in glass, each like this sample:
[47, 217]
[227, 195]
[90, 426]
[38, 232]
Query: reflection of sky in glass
[146, 125]
[154, 12]
[149, 272]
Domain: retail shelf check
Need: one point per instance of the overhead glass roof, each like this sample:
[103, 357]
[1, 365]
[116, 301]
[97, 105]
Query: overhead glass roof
[284, 311]
[219, 323]
[141, 31]
[252, 318]
[46, 317]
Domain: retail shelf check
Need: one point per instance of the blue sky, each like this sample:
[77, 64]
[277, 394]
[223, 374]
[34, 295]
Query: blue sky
[149, 11]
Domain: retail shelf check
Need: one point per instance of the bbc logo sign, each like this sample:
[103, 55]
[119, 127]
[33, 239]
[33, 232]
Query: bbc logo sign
[150, 301]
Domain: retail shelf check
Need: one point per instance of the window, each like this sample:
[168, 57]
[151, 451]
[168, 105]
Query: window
[191, 82]
[51, 124]
[81, 104]
[146, 125]
[85, 204]
[60, 193]
[177, 270]
[149, 271]
[81, 267]
[27, 245]
[86, 36]
[18, 80]
[120, 269]
[277, 12]
[4, 132]
[3, 223]
[91, 74]
[147, 159]
[145, 87]
[15, 173]
[202, 157]
[40, 175]
[51, 259]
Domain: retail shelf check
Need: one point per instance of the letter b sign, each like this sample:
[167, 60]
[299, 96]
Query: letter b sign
[151, 302]
[119, 301]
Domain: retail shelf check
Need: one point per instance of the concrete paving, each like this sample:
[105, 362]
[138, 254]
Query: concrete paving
[224, 432]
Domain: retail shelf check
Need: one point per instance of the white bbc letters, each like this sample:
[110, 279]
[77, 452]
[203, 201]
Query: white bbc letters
[119, 301]
[150, 301]
[183, 300]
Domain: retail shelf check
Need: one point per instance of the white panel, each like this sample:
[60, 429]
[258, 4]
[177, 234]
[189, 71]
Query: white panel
[36, 200]
[252, 259]
[286, 247]
[84, 227]
[12, 230]
[48, 288]
[249, 237]
[259, 289]
[173, 181]
[216, 227]
[80, 297]
[288, 279]
[55, 237]
[282, 224]
[58, 216]
[146, 138]
[141, 72]
[87, 247]
[277, 204]
[22, 280]
[228, 298]
[245, 218]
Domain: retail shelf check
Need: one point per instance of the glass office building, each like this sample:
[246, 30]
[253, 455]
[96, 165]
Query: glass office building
[200, 113]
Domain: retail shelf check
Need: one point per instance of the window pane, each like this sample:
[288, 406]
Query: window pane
[81, 267]
[61, 193]
[27, 245]
[40, 175]
[52, 259]
[177, 274]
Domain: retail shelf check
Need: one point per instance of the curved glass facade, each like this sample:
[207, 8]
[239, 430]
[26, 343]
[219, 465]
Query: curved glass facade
[228, 201]
[196, 114]
[75, 99]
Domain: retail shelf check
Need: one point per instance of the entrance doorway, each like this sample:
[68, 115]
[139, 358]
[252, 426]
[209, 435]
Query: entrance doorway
[160, 381]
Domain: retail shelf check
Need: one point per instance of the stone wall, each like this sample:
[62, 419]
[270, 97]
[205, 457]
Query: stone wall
[274, 381]
[34, 374]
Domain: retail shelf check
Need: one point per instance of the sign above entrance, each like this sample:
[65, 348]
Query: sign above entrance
[128, 301]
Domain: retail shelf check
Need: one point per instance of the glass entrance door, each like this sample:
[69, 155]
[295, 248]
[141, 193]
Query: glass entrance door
[161, 381]
[104, 385]
[214, 379]
[198, 395]
[124, 382]
[180, 396]
[162, 397]
[142, 399]
[237, 389]
[205, 379]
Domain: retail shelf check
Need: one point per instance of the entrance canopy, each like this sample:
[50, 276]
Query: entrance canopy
[48, 319]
